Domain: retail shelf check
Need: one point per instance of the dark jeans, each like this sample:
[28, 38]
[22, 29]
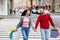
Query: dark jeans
[25, 32]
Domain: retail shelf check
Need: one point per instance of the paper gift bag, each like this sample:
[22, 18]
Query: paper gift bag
[10, 30]
[54, 33]
[16, 35]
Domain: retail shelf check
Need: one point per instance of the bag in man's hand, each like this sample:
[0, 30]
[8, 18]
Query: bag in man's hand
[54, 33]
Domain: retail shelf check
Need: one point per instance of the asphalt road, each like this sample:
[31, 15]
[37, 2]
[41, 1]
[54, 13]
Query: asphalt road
[7, 23]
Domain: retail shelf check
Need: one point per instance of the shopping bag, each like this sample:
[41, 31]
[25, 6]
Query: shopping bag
[16, 35]
[10, 30]
[11, 34]
[54, 33]
[58, 32]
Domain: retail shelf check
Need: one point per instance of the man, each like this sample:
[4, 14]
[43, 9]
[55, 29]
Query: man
[44, 19]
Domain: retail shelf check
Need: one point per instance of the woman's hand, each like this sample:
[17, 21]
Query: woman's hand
[17, 28]
[35, 30]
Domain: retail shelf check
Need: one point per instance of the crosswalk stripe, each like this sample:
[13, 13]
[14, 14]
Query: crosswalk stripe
[33, 35]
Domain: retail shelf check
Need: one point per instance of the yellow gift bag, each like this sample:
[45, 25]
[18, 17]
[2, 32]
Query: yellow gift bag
[10, 30]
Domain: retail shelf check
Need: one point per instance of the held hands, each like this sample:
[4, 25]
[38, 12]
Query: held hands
[35, 30]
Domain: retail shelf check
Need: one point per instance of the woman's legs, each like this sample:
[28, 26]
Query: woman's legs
[25, 33]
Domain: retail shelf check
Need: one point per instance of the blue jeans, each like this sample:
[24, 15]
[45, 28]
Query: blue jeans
[45, 34]
[25, 32]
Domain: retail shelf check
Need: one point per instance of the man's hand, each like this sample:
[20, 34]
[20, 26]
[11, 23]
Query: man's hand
[55, 28]
[35, 30]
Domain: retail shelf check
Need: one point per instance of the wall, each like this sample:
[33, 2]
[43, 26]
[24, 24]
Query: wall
[3, 7]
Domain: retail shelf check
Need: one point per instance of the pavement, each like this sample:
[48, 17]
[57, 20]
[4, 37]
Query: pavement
[17, 15]
[12, 21]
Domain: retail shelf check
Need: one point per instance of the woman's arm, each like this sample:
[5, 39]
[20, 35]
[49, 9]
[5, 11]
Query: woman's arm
[20, 23]
[31, 24]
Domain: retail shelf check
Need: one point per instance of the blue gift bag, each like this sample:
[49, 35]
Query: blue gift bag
[54, 33]
[11, 34]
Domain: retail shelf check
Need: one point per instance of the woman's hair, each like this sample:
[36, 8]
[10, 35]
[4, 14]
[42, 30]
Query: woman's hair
[24, 13]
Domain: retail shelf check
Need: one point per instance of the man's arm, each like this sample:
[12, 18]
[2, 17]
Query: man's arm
[51, 21]
[37, 22]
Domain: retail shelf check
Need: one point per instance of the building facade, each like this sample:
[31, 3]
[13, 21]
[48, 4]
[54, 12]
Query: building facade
[6, 5]
[23, 3]
[55, 4]
[3, 7]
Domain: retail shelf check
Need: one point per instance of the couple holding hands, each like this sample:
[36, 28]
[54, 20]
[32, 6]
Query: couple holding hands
[43, 19]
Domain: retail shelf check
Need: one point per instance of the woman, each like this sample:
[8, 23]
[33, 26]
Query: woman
[25, 22]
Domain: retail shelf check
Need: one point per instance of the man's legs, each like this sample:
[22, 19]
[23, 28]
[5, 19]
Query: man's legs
[47, 34]
[42, 34]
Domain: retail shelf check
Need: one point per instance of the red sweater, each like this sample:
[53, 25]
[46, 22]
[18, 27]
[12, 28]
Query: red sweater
[44, 21]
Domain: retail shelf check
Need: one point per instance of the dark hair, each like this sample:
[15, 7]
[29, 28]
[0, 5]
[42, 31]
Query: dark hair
[24, 13]
[42, 7]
